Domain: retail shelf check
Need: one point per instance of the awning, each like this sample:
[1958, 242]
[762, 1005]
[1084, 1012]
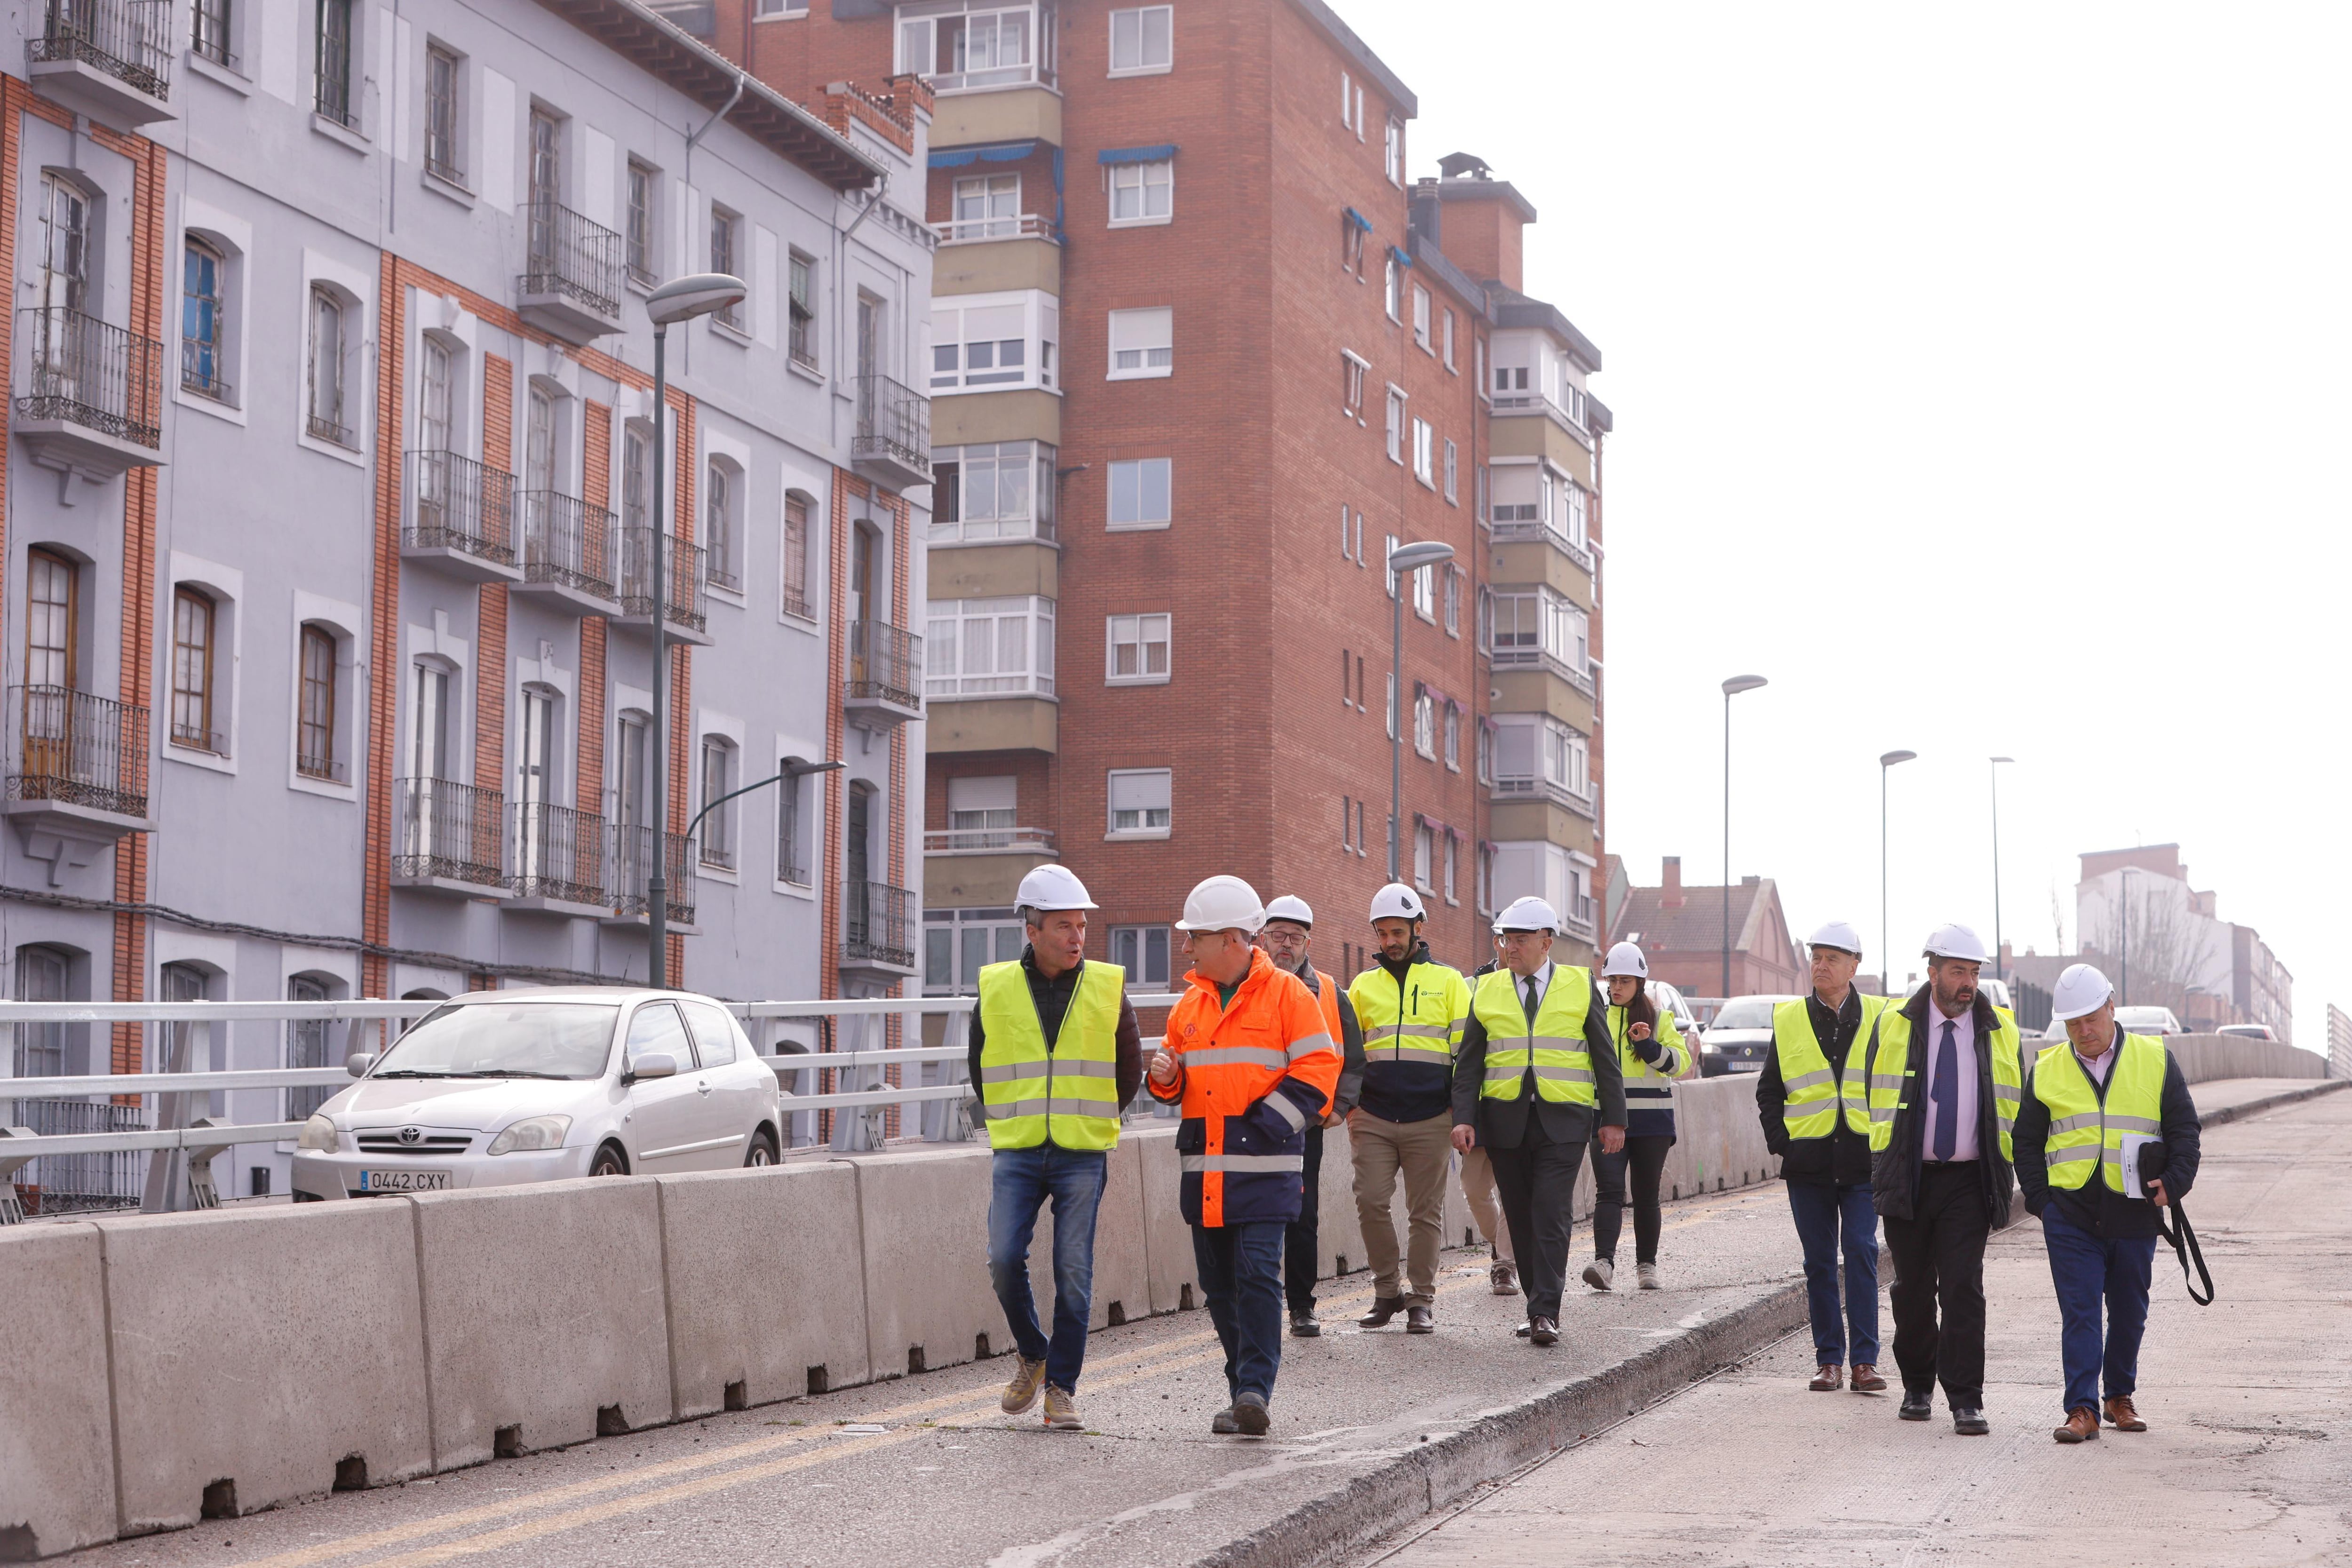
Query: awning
[1160, 154]
[1003, 153]
[1359, 219]
[1399, 256]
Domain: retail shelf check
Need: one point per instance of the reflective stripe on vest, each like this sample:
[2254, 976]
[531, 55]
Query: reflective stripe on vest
[1069, 1093]
[2084, 1131]
[1409, 1020]
[1812, 1087]
[1553, 1045]
[1890, 1072]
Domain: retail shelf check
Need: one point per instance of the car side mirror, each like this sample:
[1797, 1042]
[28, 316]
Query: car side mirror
[358, 1063]
[653, 1064]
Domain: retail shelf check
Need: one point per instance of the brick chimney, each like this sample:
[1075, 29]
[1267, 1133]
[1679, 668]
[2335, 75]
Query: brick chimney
[1670, 895]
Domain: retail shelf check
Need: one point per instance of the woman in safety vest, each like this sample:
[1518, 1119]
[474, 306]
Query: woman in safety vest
[1651, 1053]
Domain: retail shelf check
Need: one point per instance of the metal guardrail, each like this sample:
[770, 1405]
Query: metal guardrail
[633, 870]
[684, 583]
[1541, 659]
[967, 230]
[128, 40]
[886, 664]
[568, 256]
[1515, 530]
[447, 829]
[565, 541]
[457, 503]
[987, 840]
[559, 853]
[877, 923]
[90, 372]
[78, 748]
[894, 422]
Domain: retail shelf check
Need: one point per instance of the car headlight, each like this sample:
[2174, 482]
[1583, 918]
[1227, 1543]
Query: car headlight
[532, 1133]
[319, 1136]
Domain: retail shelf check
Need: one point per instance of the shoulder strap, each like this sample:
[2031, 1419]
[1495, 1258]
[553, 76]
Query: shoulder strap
[2184, 1246]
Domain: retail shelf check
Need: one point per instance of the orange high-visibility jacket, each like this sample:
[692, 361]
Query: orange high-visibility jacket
[1252, 1077]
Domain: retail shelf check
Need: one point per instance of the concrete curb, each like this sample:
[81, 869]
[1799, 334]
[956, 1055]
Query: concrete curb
[2268, 1102]
[1428, 1479]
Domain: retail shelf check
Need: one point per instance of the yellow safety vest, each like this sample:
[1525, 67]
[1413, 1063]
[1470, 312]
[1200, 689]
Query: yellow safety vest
[1890, 1073]
[1648, 1088]
[1553, 1044]
[1068, 1092]
[1417, 1020]
[2085, 1131]
[1814, 1092]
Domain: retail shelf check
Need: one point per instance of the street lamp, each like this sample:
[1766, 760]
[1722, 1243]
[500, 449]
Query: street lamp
[679, 300]
[1886, 947]
[1731, 688]
[1999, 968]
[794, 771]
[1407, 559]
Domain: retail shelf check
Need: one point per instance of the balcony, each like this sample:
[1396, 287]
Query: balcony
[1544, 659]
[90, 396]
[967, 231]
[972, 867]
[885, 676]
[989, 841]
[572, 282]
[684, 586]
[1518, 531]
[632, 868]
[567, 553]
[460, 517]
[1553, 791]
[560, 861]
[893, 444]
[877, 929]
[1581, 918]
[111, 59]
[77, 781]
[449, 835]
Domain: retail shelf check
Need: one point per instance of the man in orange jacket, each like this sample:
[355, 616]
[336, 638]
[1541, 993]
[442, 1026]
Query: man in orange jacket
[1251, 1062]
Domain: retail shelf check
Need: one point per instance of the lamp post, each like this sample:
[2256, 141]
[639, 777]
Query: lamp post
[1401, 562]
[679, 300]
[1998, 967]
[1731, 688]
[2123, 938]
[1886, 948]
[795, 771]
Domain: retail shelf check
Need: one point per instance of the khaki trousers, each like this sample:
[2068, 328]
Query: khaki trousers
[1478, 1191]
[1424, 1152]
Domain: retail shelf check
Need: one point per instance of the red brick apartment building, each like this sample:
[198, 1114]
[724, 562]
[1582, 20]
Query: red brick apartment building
[1200, 352]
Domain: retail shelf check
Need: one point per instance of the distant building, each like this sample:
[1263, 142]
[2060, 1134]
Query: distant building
[1681, 932]
[2163, 942]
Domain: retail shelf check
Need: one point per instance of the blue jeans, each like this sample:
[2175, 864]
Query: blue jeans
[2088, 1269]
[1240, 1275]
[1824, 1215]
[1021, 1181]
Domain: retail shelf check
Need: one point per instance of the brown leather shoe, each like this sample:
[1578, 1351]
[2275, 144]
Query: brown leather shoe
[2082, 1425]
[2122, 1416]
[1865, 1379]
[1826, 1379]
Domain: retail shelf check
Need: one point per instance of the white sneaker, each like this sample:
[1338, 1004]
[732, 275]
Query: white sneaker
[1645, 1274]
[1599, 1273]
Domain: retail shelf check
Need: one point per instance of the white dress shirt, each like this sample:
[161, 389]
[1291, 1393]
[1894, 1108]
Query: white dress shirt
[1964, 1106]
[2096, 1066]
[1542, 979]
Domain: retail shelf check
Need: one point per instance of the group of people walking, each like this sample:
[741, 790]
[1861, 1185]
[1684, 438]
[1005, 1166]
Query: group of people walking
[1918, 1112]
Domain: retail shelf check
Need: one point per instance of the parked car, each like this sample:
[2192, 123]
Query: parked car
[2134, 1020]
[2249, 1031]
[1995, 991]
[507, 1087]
[1670, 1001]
[1740, 1037]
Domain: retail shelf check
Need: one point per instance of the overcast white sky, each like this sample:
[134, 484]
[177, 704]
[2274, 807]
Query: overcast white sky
[1979, 377]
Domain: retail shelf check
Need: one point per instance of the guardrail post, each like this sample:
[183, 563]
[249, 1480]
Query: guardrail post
[202, 1194]
[165, 1167]
[11, 1205]
[945, 1120]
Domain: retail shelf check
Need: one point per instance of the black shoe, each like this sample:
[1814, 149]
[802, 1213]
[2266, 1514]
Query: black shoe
[1383, 1309]
[1250, 1414]
[1420, 1319]
[1303, 1324]
[1916, 1407]
[1522, 1331]
[1970, 1422]
[1542, 1332]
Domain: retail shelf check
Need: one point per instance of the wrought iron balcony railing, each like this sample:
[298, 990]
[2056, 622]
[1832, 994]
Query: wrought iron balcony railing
[559, 853]
[448, 829]
[632, 870]
[128, 40]
[683, 586]
[568, 256]
[886, 664]
[566, 540]
[876, 924]
[894, 425]
[89, 372]
[456, 504]
[79, 749]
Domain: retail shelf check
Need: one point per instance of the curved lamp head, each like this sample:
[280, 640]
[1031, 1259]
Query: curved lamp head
[2004, 759]
[1739, 683]
[1413, 557]
[1888, 759]
[697, 294]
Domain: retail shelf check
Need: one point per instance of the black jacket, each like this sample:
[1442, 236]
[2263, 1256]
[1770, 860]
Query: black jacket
[1053, 1000]
[1894, 1170]
[1843, 1157]
[2092, 1207]
[1503, 1124]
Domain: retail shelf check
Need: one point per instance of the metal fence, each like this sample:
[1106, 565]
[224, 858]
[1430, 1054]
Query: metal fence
[633, 870]
[457, 503]
[90, 372]
[568, 542]
[886, 664]
[129, 40]
[568, 256]
[447, 829]
[559, 853]
[683, 582]
[78, 748]
[894, 422]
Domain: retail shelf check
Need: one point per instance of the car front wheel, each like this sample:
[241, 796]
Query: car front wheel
[609, 1161]
[763, 1151]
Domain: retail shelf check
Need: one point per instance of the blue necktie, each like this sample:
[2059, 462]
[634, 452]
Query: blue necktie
[1944, 1093]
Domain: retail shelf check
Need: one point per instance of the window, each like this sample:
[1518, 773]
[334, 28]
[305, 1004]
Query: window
[800, 306]
[211, 36]
[1142, 952]
[722, 509]
[726, 256]
[1388, 549]
[1486, 752]
[1139, 40]
[1138, 650]
[985, 207]
[1347, 94]
[1002, 490]
[1392, 151]
[1142, 343]
[333, 36]
[1425, 723]
[1389, 287]
[53, 630]
[1535, 754]
[1536, 628]
[1486, 879]
[636, 476]
[796, 561]
[767, 8]
[1388, 706]
[978, 807]
[1446, 339]
[1351, 243]
[441, 117]
[1478, 363]
[1453, 736]
[1479, 491]
[1453, 493]
[1139, 492]
[1454, 601]
[640, 238]
[958, 942]
[1396, 425]
[204, 358]
[975, 43]
[1424, 454]
[314, 744]
[429, 752]
[1421, 308]
[194, 618]
[1345, 552]
[718, 780]
[1351, 383]
[1424, 843]
[1140, 803]
[980, 341]
[434, 396]
[1359, 539]
[1451, 842]
[329, 326]
[1425, 592]
[65, 256]
[1142, 193]
[792, 843]
[988, 648]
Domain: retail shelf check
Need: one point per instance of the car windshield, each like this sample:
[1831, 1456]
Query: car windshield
[519, 1039]
[2143, 1019]
[1746, 1012]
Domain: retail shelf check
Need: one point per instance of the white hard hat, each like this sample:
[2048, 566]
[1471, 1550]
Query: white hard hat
[1526, 914]
[1839, 935]
[1397, 903]
[1222, 904]
[1955, 942]
[1052, 887]
[1292, 908]
[2080, 989]
[1625, 959]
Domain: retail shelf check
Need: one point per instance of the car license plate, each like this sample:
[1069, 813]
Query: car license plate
[404, 1181]
[1744, 1067]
